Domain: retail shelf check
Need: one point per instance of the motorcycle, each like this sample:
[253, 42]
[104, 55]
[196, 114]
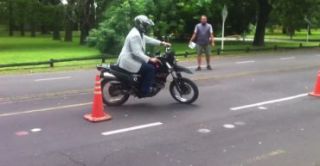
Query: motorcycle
[118, 85]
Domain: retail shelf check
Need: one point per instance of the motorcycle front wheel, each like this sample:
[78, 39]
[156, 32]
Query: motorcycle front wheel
[184, 91]
[112, 93]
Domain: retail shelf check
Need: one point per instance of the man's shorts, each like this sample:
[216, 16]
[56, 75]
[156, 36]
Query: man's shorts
[204, 49]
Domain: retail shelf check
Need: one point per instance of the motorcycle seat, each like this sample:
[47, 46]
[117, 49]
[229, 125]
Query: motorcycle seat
[119, 69]
[123, 74]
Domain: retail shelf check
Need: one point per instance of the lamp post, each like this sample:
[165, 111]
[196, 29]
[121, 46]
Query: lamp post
[224, 17]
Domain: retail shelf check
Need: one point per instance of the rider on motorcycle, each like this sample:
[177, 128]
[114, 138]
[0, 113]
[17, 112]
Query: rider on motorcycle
[133, 58]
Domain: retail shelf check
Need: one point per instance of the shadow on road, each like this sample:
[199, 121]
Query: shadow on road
[152, 108]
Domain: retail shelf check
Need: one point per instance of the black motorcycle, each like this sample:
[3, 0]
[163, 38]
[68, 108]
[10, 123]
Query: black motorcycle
[117, 84]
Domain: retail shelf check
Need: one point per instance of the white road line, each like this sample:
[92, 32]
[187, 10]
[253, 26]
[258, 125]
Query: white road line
[107, 133]
[268, 102]
[244, 62]
[287, 58]
[45, 109]
[51, 79]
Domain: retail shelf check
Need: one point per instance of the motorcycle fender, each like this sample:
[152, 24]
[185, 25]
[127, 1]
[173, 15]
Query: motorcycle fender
[183, 69]
[109, 76]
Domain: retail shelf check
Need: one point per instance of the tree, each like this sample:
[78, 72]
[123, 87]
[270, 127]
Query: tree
[241, 15]
[264, 9]
[32, 7]
[101, 6]
[7, 15]
[70, 19]
[291, 14]
[86, 18]
[52, 12]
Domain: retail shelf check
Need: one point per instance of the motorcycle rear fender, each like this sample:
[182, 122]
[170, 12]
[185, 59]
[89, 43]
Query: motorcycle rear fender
[183, 69]
[108, 75]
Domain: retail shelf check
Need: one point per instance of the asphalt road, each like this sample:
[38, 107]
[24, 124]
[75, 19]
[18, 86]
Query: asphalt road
[251, 111]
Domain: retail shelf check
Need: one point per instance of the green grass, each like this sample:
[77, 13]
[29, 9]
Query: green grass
[26, 49]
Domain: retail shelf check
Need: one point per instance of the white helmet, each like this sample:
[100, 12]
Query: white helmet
[142, 23]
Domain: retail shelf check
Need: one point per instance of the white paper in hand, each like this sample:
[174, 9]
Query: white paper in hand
[192, 45]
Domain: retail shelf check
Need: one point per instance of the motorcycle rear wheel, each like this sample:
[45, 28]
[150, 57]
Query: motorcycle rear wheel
[112, 94]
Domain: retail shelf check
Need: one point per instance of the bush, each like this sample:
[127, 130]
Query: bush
[110, 35]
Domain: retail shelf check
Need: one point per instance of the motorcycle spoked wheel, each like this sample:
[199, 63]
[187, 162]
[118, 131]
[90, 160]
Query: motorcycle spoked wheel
[184, 91]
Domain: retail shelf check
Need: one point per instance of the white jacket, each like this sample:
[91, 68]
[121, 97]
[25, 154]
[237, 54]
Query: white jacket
[133, 52]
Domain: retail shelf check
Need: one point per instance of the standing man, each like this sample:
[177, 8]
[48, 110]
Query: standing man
[203, 37]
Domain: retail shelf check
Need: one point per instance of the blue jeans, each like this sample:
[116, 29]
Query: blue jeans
[147, 72]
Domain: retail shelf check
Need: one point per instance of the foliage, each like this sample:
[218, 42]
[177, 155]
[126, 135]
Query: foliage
[291, 14]
[118, 21]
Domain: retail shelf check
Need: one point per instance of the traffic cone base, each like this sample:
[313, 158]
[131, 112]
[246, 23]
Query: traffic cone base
[316, 91]
[90, 118]
[314, 94]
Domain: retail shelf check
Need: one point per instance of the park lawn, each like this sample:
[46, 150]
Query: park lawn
[41, 48]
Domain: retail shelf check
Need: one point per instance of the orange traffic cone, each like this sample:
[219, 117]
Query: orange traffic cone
[316, 91]
[97, 113]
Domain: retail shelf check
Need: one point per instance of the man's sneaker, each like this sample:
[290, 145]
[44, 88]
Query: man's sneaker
[198, 68]
[209, 67]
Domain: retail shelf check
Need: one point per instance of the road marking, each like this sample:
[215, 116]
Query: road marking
[287, 58]
[204, 131]
[245, 62]
[52, 79]
[262, 108]
[22, 133]
[240, 123]
[229, 126]
[35, 130]
[268, 102]
[107, 133]
[266, 156]
[45, 109]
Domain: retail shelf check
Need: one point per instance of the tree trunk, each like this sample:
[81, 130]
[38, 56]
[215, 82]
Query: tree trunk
[68, 31]
[291, 32]
[56, 34]
[284, 30]
[87, 19]
[11, 23]
[44, 30]
[22, 30]
[69, 23]
[309, 31]
[264, 11]
[33, 30]
[84, 34]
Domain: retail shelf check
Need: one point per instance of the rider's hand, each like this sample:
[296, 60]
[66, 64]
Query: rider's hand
[154, 60]
[166, 44]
